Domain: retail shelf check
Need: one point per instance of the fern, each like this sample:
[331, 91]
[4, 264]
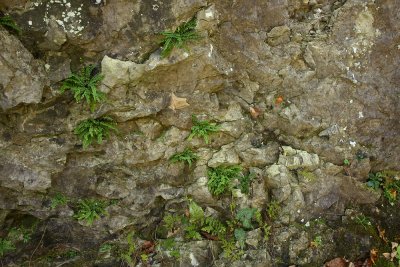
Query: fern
[90, 210]
[187, 156]
[57, 200]
[214, 226]
[5, 246]
[219, 178]
[171, 222]
[196, 213]
[179, 37]
[191, 232]
[202, 129]
[84, 86]
[95, 129]
[10, 24]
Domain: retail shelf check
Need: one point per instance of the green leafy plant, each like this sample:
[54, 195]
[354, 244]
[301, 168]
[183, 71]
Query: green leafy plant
[178, 38]
[388, 181]
[84, 86]
[17, 234]
[90, 210]
[245, 216]
[6, 246]
[346, 162]
[127, 254]
[375, 180]
[95, 129]
[240, 236]
[245, 182]
[202, 129]
[187, 156]
[220, 178]
[273, 210]
[169, 245]
[58, 200]
[317, 242]
[10, 24]
[172, 222]
[363, 220]
[105, 248]
[214, 227]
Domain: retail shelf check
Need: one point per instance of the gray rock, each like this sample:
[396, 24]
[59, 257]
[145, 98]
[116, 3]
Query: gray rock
[22, 78]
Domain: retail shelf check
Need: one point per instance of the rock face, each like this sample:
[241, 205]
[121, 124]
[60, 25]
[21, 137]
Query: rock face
[295, 88]
[22, 77]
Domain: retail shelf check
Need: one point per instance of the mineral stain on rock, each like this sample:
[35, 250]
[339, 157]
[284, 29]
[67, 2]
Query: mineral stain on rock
[304, 98]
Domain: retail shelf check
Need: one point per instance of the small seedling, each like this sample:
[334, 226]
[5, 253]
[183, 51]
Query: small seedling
[346, 162]
[90, 210]
[84, 86]
[17, 234]
[220, 178]
[187, 156]
[95, 129]
[105, 248]
[179, 37]
[202, 129]
[317, 242]
[58, 200]
[6, 246]
[10, 24]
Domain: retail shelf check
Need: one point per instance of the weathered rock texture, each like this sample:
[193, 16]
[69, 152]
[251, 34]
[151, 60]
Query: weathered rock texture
[296, 87]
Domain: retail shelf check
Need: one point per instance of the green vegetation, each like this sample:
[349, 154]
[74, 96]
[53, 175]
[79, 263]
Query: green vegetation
[195, 225]
[95, 129]
[184, 33]
[363, 221]
[346, 162]
[245, 182]
[388, 181]
[317, 242]
[309, 176]
[84, 86]
[58, 200]
[273, 210]
[105, 248]
[187, 156]
[90, 210]
[170, 246]
[9, 24]
[6, 246]
[127, 254]
[15, 236]
[220, 178]
[202, 129]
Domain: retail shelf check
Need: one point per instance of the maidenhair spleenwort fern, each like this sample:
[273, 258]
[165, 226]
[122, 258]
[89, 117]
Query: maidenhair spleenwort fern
[95, 129]
[84, 86]
[184, 33]
[9, 24]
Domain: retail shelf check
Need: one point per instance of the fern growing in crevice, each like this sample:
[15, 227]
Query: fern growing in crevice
[178, 38]
[95, 130]
[84, 86]
[8, 23]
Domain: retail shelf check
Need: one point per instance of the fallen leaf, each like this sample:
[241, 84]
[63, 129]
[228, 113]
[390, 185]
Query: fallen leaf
[278, 100]
[177, 102]
[373, 255]
[394, 245]
[382, 234]
[255, 112]
[386, 255]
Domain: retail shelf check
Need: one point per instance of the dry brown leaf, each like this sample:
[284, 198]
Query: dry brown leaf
[386, 255]
[177, 102]
[382, 234]
[373, 255]
[255, 112]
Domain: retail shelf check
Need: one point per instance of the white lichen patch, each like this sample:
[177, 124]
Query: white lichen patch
[67, 16]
